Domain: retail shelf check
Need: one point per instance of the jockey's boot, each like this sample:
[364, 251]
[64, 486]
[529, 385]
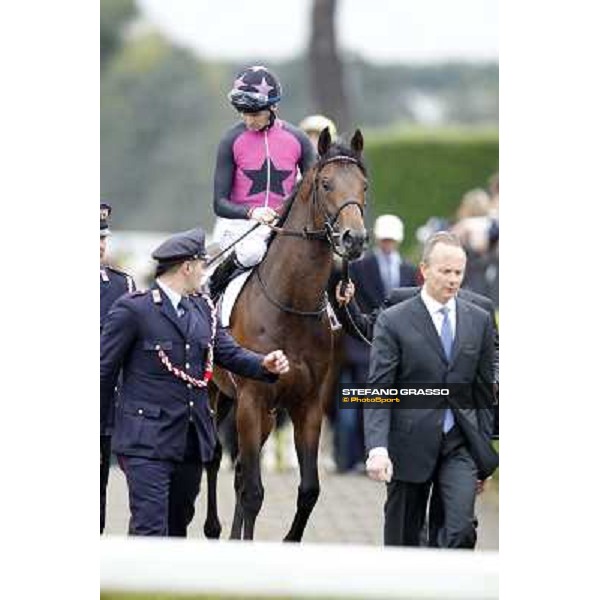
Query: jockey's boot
[223, 274]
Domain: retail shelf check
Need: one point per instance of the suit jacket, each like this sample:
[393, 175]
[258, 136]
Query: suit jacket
[113, 284]
[155, 406]
[370, 291]
[407, 349]
[370, 295]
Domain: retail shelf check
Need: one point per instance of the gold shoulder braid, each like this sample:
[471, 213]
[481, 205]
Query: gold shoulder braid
[208, 372]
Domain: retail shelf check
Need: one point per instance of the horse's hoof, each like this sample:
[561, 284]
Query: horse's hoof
[288, 538]
[212, 530]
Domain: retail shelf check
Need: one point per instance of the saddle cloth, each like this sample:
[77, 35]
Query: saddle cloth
[232, 291]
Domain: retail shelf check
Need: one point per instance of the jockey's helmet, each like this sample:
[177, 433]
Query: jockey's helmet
[255, 89]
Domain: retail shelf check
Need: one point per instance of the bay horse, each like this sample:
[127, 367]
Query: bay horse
[282, 305]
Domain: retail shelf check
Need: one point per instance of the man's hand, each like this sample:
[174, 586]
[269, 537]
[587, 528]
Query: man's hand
[263, 214]
[379, 468]
[481, 485]
[348, 294]
[276, 362]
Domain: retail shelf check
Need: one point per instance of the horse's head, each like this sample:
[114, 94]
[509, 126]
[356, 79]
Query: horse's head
[339, 194]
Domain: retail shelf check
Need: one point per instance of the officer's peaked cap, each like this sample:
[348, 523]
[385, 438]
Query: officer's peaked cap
[188, 245]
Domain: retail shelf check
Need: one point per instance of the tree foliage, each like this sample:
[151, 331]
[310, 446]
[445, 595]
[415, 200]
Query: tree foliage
[114, 15]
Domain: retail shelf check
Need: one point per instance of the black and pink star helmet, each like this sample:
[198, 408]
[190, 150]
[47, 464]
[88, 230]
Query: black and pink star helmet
[255, 89]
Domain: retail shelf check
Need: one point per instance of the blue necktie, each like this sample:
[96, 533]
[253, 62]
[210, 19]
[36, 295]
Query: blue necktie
[447, 339]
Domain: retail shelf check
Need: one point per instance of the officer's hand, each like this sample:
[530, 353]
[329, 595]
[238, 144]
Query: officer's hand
[263, 214]
[276, 362]
[380, 468]
[348, 294]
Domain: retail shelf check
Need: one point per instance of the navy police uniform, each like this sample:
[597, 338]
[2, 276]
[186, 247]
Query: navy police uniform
[164, 429]
[113, 284]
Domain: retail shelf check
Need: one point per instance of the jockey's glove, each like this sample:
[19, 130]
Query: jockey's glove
[263, 214]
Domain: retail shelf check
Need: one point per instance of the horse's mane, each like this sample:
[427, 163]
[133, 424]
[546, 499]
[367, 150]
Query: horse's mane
[334, 151]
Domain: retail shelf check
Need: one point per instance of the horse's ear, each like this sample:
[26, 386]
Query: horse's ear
[357, 143]
[324, 142]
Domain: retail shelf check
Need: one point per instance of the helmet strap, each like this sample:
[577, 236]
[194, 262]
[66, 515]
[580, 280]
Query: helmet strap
[272, 118]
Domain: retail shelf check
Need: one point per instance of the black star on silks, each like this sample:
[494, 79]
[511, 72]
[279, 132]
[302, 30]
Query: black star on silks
[259, 179]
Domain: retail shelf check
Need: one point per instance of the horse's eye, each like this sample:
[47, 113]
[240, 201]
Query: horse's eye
[365, 186]
[326, 185]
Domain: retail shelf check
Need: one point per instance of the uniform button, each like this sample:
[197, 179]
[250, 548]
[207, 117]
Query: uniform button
[191, 404]
[140, 411]
[187, 365]
[157, 347]
[189, 386]
[187, 346]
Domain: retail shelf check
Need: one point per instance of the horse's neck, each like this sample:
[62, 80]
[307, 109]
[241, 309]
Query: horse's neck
[300, 268]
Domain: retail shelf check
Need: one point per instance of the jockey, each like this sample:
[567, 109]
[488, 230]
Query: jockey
[314, 124]
[257, 164]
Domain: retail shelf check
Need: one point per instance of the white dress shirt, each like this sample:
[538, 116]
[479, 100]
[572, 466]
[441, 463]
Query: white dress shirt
[171, 294]
[433, 308]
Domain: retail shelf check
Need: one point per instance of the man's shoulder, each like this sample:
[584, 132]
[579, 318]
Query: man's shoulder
[118, 272]
[478, 312]
[401, 294]
[124, 278]
[134, 300]
[478, 300]
[401, 309]
[287, 126]
[233, 133]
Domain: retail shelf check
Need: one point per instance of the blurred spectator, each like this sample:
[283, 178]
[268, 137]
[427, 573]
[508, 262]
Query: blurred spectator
[473, 221]
[433, 225]
[314, 124]
[378, 272]
[478, 228]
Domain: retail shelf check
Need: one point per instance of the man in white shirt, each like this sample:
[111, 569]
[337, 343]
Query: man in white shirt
[432, 339]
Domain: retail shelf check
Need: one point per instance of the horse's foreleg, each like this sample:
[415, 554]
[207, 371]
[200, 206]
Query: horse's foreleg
[307, 430]
[254, 424]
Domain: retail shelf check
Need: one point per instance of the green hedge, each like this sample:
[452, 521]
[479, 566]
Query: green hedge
[419, 174]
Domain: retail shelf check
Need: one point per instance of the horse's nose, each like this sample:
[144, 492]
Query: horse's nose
[354, 241]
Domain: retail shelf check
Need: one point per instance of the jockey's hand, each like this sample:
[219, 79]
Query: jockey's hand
[276, 362]
[263, 214]
[380, 468]
[348, 294]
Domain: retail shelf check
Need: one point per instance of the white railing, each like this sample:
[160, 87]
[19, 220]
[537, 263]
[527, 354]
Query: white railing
[267, 569]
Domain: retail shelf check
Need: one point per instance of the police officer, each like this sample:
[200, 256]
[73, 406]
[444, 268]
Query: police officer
[113, 284]
[166, 340]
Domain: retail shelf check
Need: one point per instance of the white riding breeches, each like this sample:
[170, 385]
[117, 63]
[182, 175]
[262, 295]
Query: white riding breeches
[249, 251]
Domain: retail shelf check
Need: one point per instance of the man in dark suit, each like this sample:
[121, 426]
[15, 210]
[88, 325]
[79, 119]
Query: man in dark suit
[113, 284]
[165, 340]
[438, 339]
[380, 270]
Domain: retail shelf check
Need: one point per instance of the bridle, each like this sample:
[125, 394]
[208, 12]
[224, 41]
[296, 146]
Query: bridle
[328, 233]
